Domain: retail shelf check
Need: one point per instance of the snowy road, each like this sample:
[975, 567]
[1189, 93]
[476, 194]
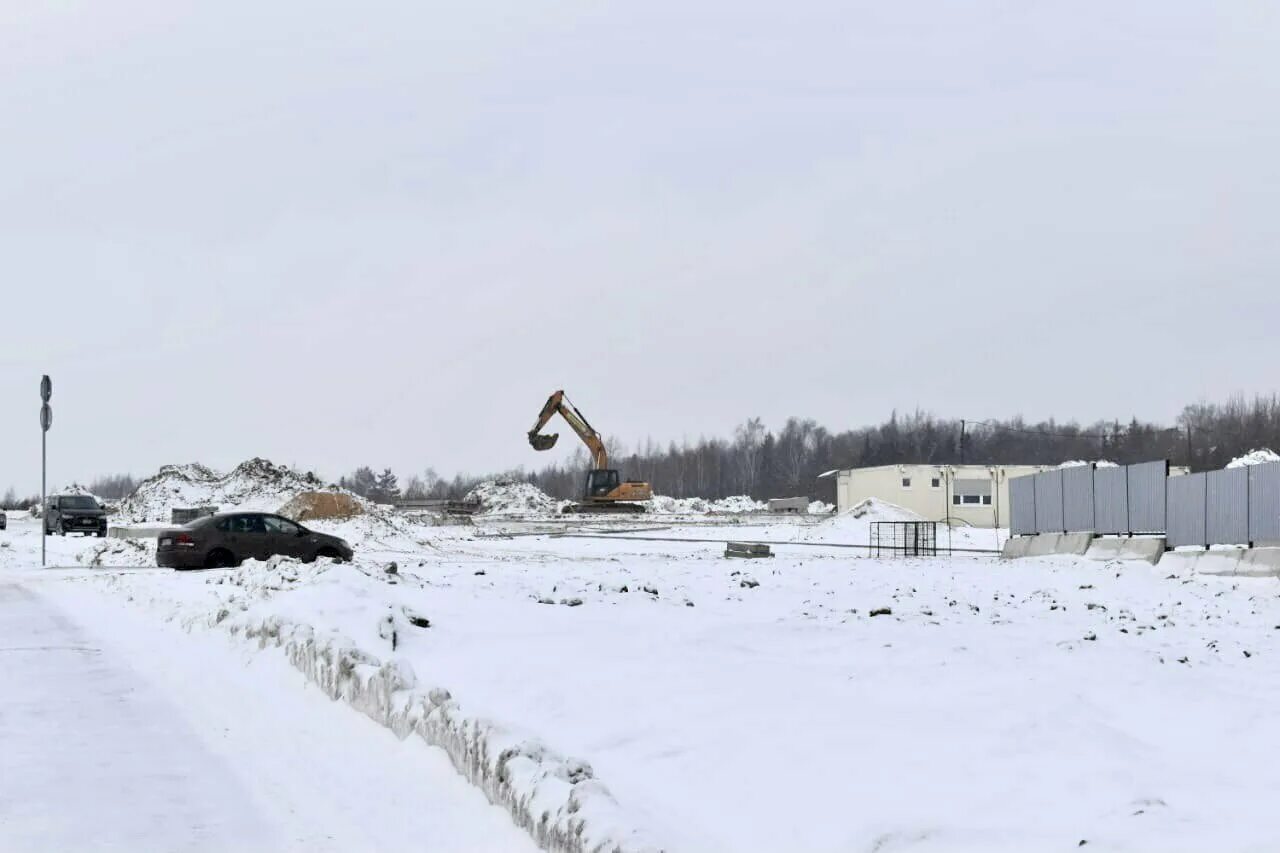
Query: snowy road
[118, 732]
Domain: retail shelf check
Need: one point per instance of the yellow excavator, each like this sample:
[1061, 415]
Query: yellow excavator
[605, 491]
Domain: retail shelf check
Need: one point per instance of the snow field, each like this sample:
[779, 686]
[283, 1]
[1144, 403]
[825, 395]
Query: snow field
[774, 704]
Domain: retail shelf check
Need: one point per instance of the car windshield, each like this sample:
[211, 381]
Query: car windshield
[79, 502]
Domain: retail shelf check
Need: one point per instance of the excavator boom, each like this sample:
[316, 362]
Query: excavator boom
[605, 490]
[557, 403]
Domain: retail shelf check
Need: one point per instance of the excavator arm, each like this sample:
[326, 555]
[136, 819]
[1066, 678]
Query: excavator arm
[557, 403]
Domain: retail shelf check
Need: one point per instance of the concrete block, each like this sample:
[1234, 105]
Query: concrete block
[1180, 562]
[147, 531]
[1044, 545]
[1224, 562]
[1259, 563]
[1015, 547]
[1075, 544]
[1149, 550]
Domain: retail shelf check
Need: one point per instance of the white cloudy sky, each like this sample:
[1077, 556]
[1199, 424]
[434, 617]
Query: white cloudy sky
[338, 233]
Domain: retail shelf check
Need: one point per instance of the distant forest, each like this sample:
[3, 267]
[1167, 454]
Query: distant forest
[762, 463]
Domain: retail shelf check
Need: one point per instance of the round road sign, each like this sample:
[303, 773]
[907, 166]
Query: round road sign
[46, 389]
[46, 417]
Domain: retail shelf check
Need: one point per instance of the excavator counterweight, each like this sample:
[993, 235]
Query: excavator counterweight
[605, 492]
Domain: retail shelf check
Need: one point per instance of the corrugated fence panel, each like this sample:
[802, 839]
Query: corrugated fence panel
[1110, 500]
[1264, 503]
[1226, 520]
[1147, 505]
[1077, 498]
[1022, 509]
[1049, 517]
[1186, 510]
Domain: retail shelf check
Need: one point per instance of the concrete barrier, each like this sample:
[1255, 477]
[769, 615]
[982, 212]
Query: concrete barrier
[1015, 547]
[1043, 544]
[1259, 563]
[1076, 544]
[1148, 550]
[141, 531]
[1046, 545]
[1226, 562]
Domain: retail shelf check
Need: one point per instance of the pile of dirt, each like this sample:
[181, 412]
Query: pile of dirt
[254, 485]
[504, 497]
[309, 506]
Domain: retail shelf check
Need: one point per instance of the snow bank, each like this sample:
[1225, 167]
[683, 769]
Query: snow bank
[556, 799]
[254, 485]
[821, 508]
[1262, 456]
[1099, 463]
[664, 505]
[499, 497]
[738, 504]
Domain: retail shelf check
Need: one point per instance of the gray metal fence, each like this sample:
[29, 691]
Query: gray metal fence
[1234, 506]
[1264, 504]
[1022, 506]
[1186, 511]
[1147, 482]
[1110, 500]
[1082, 498]
[1077, 498]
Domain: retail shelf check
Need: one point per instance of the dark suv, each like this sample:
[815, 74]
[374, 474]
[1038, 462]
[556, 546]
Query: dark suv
[227, 539]
[65, 514]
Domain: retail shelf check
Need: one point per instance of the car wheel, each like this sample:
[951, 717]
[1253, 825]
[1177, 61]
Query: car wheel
[220, 558]
[331, 554]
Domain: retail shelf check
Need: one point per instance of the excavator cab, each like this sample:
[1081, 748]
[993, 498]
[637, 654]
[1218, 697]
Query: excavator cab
[601, 482]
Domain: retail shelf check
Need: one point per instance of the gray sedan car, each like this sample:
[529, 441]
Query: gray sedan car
[228, 539]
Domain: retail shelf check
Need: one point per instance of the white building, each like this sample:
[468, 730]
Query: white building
[974, 495]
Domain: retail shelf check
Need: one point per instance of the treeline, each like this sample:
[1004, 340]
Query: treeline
[112, 487]
[763, 463]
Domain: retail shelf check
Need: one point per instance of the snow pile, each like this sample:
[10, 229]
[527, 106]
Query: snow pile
[1262, 456]
[254, 485]
[1078, 463]
[663, 505]
[738, 504]
[501, 497]
[821, 508]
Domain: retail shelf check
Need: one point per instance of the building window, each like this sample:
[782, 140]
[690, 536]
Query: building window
[936, 483]
[906, 482]
[973, 492]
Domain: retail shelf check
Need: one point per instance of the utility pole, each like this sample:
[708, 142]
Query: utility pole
[962, 441]
[1190, 460]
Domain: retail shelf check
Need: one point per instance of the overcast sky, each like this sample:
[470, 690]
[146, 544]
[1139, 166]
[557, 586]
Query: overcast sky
[334, 234]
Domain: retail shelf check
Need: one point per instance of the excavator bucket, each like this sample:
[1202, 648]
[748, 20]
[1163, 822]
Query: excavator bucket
[543, 442]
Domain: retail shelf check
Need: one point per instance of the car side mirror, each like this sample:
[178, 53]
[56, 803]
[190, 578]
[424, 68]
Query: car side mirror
[302, 531]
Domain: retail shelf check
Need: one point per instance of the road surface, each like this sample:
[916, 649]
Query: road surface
[121, 733]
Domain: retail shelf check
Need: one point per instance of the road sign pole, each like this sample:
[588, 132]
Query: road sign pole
[46, 421]
[44, 469]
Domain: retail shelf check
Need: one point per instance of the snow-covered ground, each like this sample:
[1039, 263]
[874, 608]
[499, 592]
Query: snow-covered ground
[819, 700]
[120, 732]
